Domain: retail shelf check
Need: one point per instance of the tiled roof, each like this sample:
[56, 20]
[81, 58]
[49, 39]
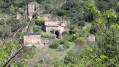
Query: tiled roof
[31, 33]
[50, 23]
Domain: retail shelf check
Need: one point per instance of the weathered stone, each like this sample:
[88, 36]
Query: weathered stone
[32, 39]
[57, 26]
[32, 8]
[91, 38]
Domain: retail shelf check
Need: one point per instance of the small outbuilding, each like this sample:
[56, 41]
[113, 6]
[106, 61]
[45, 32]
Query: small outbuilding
[32, 39]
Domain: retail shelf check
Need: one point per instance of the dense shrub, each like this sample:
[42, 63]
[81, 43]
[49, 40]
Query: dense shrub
[75, 30]
[45, 35]
[20, 34]
[61, 48]
[67, 37]
[66, 45]
[2, 22]
[15, 27]
[21, 11]
[65, 33]
[1, 34]
[52, 36]
[82, 39]
[40, 21]
[54, 44]
[93, 29]
[74, 36]
[62, 41]
[35, 28]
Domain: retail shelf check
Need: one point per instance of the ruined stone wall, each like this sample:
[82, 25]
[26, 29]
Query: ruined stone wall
[32, 8]
[58, 24]
[32, 39]
[48, 17]
[46, 41]
[52, 28]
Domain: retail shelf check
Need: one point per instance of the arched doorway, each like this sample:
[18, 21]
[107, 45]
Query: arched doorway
[57, 34]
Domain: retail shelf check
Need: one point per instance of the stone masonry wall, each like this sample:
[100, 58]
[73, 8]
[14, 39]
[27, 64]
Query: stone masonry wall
[32, 39]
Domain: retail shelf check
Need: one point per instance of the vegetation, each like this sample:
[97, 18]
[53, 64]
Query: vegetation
[45, 35]
[40, 21]
[98, 17]
[35, 28]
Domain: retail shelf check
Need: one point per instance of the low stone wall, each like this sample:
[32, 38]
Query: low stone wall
[46, 41]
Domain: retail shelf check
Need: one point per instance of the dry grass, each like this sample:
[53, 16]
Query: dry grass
[46, 57]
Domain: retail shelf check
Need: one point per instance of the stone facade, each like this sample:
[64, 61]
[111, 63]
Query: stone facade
[91, 38]
[32, 39]
[18, 16]
[32, 8]
[55, 25]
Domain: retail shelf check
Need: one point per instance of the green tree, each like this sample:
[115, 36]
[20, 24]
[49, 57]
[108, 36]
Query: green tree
[40, 21]
[12, 9]
[35, 28]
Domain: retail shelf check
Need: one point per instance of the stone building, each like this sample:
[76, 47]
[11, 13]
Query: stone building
[32, 8]
[55, 26]
[18, 16]
[32, 39]
[91, 38]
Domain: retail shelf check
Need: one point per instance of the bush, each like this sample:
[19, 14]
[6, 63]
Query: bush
[65, 33]
[82, 39]
[67, 37]
[74, 36]
[71, 27]
[45, 35]
[20, 34]
[87, 28]
[62, 41]
[52, 36]
[2, 22]
[15, 27]
[1, 33]
[93, 30]
[75, 30]
[35, 28]
[54, 44]
[81, 23]
[40, 21]
[21, 11]
[60, 48]
[66, 45]
[66, 13]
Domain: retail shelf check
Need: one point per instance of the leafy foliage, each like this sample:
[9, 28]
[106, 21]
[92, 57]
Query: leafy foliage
[54, 44]
[35, 28]
[82, 39]
[40, 21]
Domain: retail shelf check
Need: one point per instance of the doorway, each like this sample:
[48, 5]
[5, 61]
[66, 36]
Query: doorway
[57, 34]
